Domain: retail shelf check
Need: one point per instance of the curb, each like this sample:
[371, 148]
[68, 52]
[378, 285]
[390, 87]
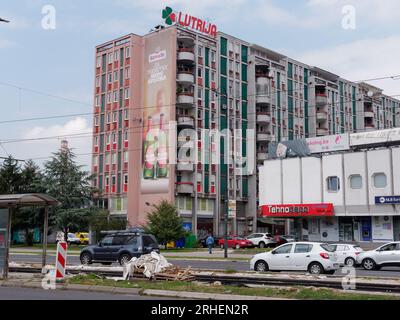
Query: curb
[203, 296]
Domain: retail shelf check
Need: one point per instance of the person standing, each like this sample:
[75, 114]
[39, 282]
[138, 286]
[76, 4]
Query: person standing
[210, 243]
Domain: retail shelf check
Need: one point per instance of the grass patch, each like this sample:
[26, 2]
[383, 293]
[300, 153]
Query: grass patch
[290, 293]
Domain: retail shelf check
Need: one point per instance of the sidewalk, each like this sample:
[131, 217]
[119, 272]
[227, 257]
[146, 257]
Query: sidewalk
[35, 282]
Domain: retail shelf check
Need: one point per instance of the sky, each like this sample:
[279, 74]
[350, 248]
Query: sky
[356, 39]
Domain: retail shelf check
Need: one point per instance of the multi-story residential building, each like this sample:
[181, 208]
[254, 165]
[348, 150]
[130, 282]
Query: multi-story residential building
[207, 85]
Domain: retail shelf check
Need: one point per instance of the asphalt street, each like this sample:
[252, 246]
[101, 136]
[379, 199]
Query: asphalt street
[238, 265]
[11, 293]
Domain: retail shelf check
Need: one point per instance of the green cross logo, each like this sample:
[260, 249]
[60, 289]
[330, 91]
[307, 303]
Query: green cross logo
[168, 15]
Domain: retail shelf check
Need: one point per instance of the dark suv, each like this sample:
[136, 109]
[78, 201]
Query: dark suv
[119, 246]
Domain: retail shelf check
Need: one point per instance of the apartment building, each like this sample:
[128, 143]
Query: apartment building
[229, 100]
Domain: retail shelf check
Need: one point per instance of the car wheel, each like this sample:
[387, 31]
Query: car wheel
[261, 266]
[124, 258]
[86, 258]
[350, 262]
[369, 264]
[237, 246]
[261, 245]
[315, 268]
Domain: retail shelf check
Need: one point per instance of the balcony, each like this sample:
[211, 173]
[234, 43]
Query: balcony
[263, 98]
[186, 55]
[322, 116]
[322, 131]
[184, 187]
[368, 113]
[321, 99]
[185, 142]
[263, 117]
[262, 75]
[185, 122]
[261, 156]
[263, 137]
[185, 77]
[185, 98]
[185, 167]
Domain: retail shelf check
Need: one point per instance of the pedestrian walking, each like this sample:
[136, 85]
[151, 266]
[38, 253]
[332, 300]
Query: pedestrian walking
[210, 243]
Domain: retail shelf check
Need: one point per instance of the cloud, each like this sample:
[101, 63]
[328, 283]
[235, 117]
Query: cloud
[40, 149]
[360, 60]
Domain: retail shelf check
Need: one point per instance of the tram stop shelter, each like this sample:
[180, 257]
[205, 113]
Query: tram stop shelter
[9, 203]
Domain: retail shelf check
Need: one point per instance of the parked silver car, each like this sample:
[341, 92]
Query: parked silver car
[384, 256]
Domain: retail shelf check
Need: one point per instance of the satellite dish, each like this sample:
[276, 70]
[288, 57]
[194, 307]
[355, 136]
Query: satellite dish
[270, 74]
[370, 94]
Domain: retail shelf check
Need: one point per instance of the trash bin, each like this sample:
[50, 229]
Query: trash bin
[180, 243]
[190, 241]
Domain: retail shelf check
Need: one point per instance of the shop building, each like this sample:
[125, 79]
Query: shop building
[345, 196]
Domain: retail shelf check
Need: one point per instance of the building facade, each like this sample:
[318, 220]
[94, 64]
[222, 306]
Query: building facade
[345, 196]
[229, 99]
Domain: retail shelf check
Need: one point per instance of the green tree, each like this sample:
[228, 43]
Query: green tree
[10, 176]
[28, 218]
[100, 220]
[164, 223]
[65, 180]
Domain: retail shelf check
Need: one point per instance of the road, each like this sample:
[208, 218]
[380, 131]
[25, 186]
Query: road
[238, 265]
[11, 293]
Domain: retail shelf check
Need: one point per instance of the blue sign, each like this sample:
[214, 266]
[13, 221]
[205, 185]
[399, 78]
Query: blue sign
[187, 226]
[387, 200]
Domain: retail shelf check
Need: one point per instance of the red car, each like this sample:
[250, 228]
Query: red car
[236, 243]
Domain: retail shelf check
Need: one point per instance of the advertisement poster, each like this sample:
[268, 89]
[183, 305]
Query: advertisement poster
[159, 98]
[382, 228]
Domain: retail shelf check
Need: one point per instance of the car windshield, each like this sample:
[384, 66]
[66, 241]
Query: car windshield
[328, 247]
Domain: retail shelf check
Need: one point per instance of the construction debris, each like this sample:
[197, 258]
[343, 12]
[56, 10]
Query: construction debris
[155, 266]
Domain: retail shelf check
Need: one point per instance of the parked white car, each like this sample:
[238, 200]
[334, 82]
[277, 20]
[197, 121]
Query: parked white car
[384, 256]
[262, 240]
[314, 257]
[71, 238]
[347, 253]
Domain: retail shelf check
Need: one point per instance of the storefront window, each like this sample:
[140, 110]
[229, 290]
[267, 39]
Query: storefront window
[333, 184]
[355, 181]
[380, 180]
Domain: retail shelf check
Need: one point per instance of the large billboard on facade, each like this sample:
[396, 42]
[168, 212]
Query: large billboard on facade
[158, 112]
[337, 142]
[375, 137]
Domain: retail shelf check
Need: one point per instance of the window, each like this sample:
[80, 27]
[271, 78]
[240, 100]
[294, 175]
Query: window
[116, 55]
[107, 158]
[113, 180]
[125, 179]
[133, 241]
[107, 181]
[128, 52]
[107, 241]
[127, 93]
[284, 249]
[148, 241]
[200, 51]
[96, 140]
[303, 248]
[109, 77]
[97, 81]
[110, 58]
[200, 72]
[109, 98]
[97, 101]
[333, 184]
[127, 73]
[98, 62]
[126, 114]
[114, 137]
[108, 117]
[115, 76]
[126, 135]
[389, 247]
[355, 181]
[115, 96]
[126, 156]
[107, 142]
[114, 158]
[380, 180]
[213, 56]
